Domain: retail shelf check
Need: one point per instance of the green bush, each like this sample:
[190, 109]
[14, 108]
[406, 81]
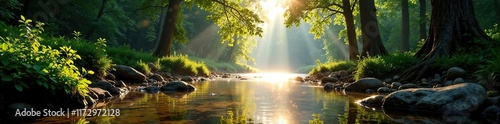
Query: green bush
[467, 61]
[124, 55]
[381, 66]
[181, 64]
[333, 66]
[25, 62]
[93, 55]
[224, 66]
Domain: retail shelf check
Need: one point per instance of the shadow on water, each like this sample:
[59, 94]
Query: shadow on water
[254, 100]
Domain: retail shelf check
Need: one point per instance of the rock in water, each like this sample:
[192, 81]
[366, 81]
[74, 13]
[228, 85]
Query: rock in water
[187, 79]
[455, 72]
[465, 97]
[158, 77]
[325, 80]
[128, 74]
[375, 100]
[178, 86]
[364, 84]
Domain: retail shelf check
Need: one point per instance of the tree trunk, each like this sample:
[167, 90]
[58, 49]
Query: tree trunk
[167, 36]
[453, 25]
[372, 43]
[351, 31]
[98, 17]
[159, 31]
[423, 10]
[405, 26]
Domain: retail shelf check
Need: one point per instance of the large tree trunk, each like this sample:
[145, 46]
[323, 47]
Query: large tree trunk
[453, 25]
[351, 31]
[372, 43]
[167, 36]
[159, 31]
[405, 26]
[422, 24]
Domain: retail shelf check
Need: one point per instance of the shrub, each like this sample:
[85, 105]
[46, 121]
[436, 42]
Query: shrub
[333, 66]
[381, 66]
[124, 55]
[181, 64]
[142, 67]
[93, 55]
[26, 62]
[467, 61]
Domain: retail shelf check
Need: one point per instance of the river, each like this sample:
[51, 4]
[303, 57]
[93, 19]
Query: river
[271, 98]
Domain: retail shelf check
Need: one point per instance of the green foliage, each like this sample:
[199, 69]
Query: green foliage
[334, 66]
[235, 119]
[381, 66]
[124, 55]
[465, 60]
[181, 64]
[494, 32]
[224, 66]
[316, 119]
[6, 8]
[94, 55]
[26, 62]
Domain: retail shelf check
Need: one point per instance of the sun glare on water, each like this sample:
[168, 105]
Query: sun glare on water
[275, 77]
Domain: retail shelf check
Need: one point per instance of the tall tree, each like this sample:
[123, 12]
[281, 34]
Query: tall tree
[167, 35]
[372, 43]
[232, 17]
[422, 18]
[453, 26]
[405, 26]
[320, 13]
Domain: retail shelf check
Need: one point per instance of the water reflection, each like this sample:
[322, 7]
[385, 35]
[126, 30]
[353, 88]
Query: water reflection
[256, 100]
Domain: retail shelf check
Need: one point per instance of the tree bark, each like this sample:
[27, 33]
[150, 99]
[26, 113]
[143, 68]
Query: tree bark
[453, 25]
[372, 43]
[422, 24]
[167, 36]
[159, 31]
[405, 26]
[351, 31]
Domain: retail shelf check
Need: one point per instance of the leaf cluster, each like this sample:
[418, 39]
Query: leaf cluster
[26, 62]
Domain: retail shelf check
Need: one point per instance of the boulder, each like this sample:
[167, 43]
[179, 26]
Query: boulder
[364, 84]
[120, 84]
[157, 77]
[187, 79]
[395, 85]
[106, 86]
[152, 89]
[448, 83]
[153, 67]
[299, 79]
[458, 81]
[465, 97]
[178, 86]
[375, 100]
[100, 93]
[343, 73]
[383, 90]
[128, 74]
[407, 86]
[110, 76]
[328, 86]
[455, 72]
[325, 80]
[492, 111]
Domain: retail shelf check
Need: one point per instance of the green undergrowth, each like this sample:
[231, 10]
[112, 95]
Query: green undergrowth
[382, 66]
[124, 55]
[224, 66]
[333, 66]
[93, 54]
[26, 62]
[181, 64]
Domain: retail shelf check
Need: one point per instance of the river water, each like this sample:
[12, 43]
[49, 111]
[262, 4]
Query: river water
[263, 98]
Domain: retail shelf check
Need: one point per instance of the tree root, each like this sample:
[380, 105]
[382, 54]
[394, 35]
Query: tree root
[417, 71]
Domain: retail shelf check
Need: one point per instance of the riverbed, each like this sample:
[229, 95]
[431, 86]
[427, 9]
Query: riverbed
[253, 98]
